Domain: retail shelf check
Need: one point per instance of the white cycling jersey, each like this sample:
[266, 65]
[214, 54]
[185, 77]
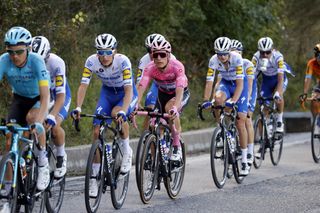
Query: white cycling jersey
[57, 70]
[275, 64]
[248, 68]
[144, 61]
[233, 72]
[118, 74]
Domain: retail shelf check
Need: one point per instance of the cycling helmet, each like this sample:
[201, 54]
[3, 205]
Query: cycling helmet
[222, 45]
[316, 49]
[153, 37]
[265, 44]
[161, 45]
[236, 45]
[41, 45]
[17, 36]
[106, 41]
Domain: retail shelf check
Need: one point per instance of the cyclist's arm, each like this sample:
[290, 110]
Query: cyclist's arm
[44, 99]
[81, 94]
[58, 104]
[209, 84]
[144, 82]
[179, 97]
[250, 75]
[306, 86]
[128, 93]
[238, 91]
[281, 68]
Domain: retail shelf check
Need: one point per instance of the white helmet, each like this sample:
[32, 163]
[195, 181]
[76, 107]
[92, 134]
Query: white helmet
[236, 45]
[153, 37]
[161, 45]
[106, 41]
[265, 44]
[222, 45]
[41, 45]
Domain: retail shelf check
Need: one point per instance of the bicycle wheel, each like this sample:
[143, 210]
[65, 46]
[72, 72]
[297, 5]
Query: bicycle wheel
[148, 169]
[219, 158]
[9, 194]
[119, 183]
[173, 182]
[276, 145]
[315, 140]
[259, 143]
[237, 159]
[139, 154]
[55, 191]
[97, 153]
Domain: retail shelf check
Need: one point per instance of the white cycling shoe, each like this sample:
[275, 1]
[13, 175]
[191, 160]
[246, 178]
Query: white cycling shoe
[126, 162]
[93, 188]
[61, 168]
[43, 177]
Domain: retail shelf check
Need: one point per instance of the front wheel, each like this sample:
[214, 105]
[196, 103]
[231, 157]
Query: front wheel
[94, 179]
[259, 143]
[276, 145]
[219, 158]
[315, 139]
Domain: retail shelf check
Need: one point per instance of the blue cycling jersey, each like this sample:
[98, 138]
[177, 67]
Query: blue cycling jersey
[25, 81]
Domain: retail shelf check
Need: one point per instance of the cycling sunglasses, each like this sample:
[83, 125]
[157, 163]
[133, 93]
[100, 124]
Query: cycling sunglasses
[16, 52]
[161, 54]
[222, 54]
[104, 52]
[265, 52]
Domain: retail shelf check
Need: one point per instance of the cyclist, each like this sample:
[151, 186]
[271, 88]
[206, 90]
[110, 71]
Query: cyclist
[313, 69]
[27, 75]
[231, 90]
[60, 98]
[252, 95]
[173, 93]
[118, 95]
[271, 64]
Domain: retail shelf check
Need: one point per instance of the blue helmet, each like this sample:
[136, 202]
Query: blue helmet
[17, 36]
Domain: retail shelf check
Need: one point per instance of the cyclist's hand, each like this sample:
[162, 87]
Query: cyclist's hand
[229, 103]
[303, 97]
[276, 96]
[75, 114]
[121, 116]
[206, 104]
[50, 121]
[174, 112]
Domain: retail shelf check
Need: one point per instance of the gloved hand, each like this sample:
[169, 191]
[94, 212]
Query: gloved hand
[303, 97]
[229, 103]
[174, 112]
[51, 120]
[276, 96]
[75, 113]
[206, 104]
[121, 115]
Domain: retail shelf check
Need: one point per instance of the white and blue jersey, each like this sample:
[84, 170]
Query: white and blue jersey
[114, 78]
[229, 74]
[59, 84]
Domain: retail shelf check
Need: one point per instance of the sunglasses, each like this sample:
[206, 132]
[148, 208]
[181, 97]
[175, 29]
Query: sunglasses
[265, 52]
[161, 54]
[104, 52]
[16, 52]
[222, 54]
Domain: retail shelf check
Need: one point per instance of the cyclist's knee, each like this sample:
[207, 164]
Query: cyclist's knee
[96, 132]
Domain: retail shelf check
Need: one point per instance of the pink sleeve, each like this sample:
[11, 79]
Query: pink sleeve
[145, 79]
[181, 80]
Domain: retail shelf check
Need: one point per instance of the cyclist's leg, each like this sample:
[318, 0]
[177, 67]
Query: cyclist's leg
[221, 95]
[249, 124]
[150, 102]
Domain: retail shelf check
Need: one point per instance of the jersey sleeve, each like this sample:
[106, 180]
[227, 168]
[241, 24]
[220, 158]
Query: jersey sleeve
[239, 68]
[87, 72]
[249, 69]
[309, 70]
[145, 78]
[126, 72]
[211, 71]
[41, 73]
[181, 80]
[280, 65]
[60, 77]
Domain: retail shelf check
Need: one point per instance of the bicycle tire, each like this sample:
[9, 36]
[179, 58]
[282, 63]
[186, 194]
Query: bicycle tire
[6, 161]
[236, 166]
[276, 145]
[55, 191]
[148, 168]
[259, 142]
[142, 139]
[315, 141]
[174, 181]
[219, 180]
[94, 151]
[119, 183]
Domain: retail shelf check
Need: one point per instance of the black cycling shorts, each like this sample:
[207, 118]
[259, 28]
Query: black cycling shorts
[163, 99]
[20, 107]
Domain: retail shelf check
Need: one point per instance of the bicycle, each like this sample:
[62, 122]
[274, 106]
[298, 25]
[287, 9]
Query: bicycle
[315, 133]
[110, 154]
[18, 173]
[55, 191]
[265, 134]
[225, 147]
[155, 164]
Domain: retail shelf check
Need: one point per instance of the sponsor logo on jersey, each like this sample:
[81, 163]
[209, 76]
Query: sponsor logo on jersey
[210, 72]
[126, 74]
[89, 64]
[280, 64]
[139, 73]
[86, 73]
[239, 70]
[250, 71]
[59, 81]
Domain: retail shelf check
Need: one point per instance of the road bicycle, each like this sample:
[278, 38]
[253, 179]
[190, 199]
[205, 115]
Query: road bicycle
[154, 162]
[19, 172]
[107, 153]
[265, 134]
[225, 148]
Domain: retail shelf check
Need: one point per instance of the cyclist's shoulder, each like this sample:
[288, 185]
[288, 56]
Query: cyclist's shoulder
[176, 64]
[123, 60]
[312, 62]
[277, 54]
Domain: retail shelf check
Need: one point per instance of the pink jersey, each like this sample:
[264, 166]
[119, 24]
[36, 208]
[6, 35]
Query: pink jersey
[168, 80]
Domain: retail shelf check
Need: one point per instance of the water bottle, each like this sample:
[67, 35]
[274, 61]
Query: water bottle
[231, 141]
[270, 128]
[109, 152]
[165, 149]
[23, 167]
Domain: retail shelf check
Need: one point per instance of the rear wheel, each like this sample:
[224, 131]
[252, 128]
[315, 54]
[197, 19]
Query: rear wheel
[148, 169]
[237, 159]
[259, 143]
[94, 176]
[315, 139]
[120, 181]
[276, 145]
[219, 158]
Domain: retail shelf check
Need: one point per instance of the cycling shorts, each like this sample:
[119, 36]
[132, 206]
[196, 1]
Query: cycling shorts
[63, 113]
[229, 87]
[163, 99]
[109, 99]
[253, 98]
[269, 84]
[20, 107]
